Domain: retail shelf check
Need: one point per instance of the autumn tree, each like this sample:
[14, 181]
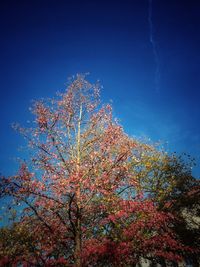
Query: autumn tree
[82, 189]
[168, 181]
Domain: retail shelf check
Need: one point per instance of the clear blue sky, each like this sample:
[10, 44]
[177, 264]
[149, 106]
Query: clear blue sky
[122, 43]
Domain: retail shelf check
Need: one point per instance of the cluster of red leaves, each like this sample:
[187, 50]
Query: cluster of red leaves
[137, 230]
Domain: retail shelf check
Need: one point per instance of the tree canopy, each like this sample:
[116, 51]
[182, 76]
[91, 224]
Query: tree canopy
[92, 195]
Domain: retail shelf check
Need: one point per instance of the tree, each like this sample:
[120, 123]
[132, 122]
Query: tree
[168, 181]
[82, 189]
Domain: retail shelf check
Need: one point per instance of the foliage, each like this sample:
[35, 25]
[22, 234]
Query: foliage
[169, 183]
[88, 189]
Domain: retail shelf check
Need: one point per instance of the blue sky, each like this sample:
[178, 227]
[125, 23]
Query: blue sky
[44, 42]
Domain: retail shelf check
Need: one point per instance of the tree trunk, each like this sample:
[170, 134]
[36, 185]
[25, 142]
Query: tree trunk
[78, 262]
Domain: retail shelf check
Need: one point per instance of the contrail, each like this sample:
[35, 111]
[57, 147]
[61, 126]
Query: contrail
[154, 47]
